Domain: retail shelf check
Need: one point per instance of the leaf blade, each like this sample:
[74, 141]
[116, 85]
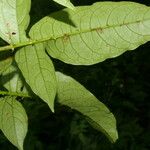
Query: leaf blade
[4, 64]
[38, 72]
[12, 80]
[13, 121]
[14, 19]
[96, 33]
[74, 95]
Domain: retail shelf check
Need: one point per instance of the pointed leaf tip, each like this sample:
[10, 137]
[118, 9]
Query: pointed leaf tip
[41, 77]
[74, 95]
[65, 3]
[51, 106]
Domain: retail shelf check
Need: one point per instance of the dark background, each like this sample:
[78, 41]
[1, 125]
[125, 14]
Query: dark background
[123, 84]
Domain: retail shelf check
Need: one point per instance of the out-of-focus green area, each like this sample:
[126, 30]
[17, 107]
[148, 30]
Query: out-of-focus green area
[123, 84]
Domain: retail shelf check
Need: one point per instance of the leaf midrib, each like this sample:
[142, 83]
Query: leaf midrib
[32, 41]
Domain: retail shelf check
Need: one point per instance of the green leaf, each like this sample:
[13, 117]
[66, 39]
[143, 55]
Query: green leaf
[65, 3]
[5, 61]
[4, 64]
[13, 121]
[38, 71]
[94, 33]
[74, 95]
[12, 80]
[14, 19]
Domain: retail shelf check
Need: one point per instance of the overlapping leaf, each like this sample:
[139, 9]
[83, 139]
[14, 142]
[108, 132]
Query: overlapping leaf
[74, 95]
[13, 121]
[14, 19]
[65, 3]
[12, 80]
[94, 33]
[38, 72]
[5, 63]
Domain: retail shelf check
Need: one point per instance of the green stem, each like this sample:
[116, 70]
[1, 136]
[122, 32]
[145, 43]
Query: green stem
[14, 94]
[30, 42]
[5, 48]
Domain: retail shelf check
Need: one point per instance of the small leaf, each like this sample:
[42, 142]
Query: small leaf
[5, 60]
[74, 95]
[13, 121]
[94, 33]
[38, 71]
[65, 3]
[14, 19]
[12, 80]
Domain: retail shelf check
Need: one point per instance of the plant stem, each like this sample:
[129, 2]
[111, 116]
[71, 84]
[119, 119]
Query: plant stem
[30, 42]
[14, 94]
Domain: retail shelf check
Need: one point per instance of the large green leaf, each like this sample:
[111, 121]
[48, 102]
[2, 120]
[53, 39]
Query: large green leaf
[14, 19]
[66, 3]
[38, 72]
[13, 121]
[94, 33]
[74, 95]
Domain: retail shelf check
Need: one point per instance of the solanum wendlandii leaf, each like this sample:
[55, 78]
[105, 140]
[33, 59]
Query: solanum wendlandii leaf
[65, 3]
[38, 71]
[13, 121]
[14, 19]
[74, 95]
[94, 33]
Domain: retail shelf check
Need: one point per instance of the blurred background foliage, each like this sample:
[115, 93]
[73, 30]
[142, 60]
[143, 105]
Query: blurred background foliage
[123, 84]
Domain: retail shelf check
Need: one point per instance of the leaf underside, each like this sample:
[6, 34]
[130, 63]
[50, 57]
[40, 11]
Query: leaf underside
[89, 35]
[14, 19]
[94, 33]
[74, 95]
[4, 64]
[13, 121]
[12, 80]
[38, 71]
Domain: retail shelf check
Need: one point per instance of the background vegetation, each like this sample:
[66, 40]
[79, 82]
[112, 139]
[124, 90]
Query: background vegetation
[123, 84]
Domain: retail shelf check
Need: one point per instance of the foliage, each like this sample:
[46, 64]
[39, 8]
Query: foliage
[27, 71]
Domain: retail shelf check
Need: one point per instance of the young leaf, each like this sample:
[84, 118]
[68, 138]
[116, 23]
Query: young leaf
[65, 3]
[74, 95]
[38, 72]
[94, 33]
[14, 19]
[13, 121]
